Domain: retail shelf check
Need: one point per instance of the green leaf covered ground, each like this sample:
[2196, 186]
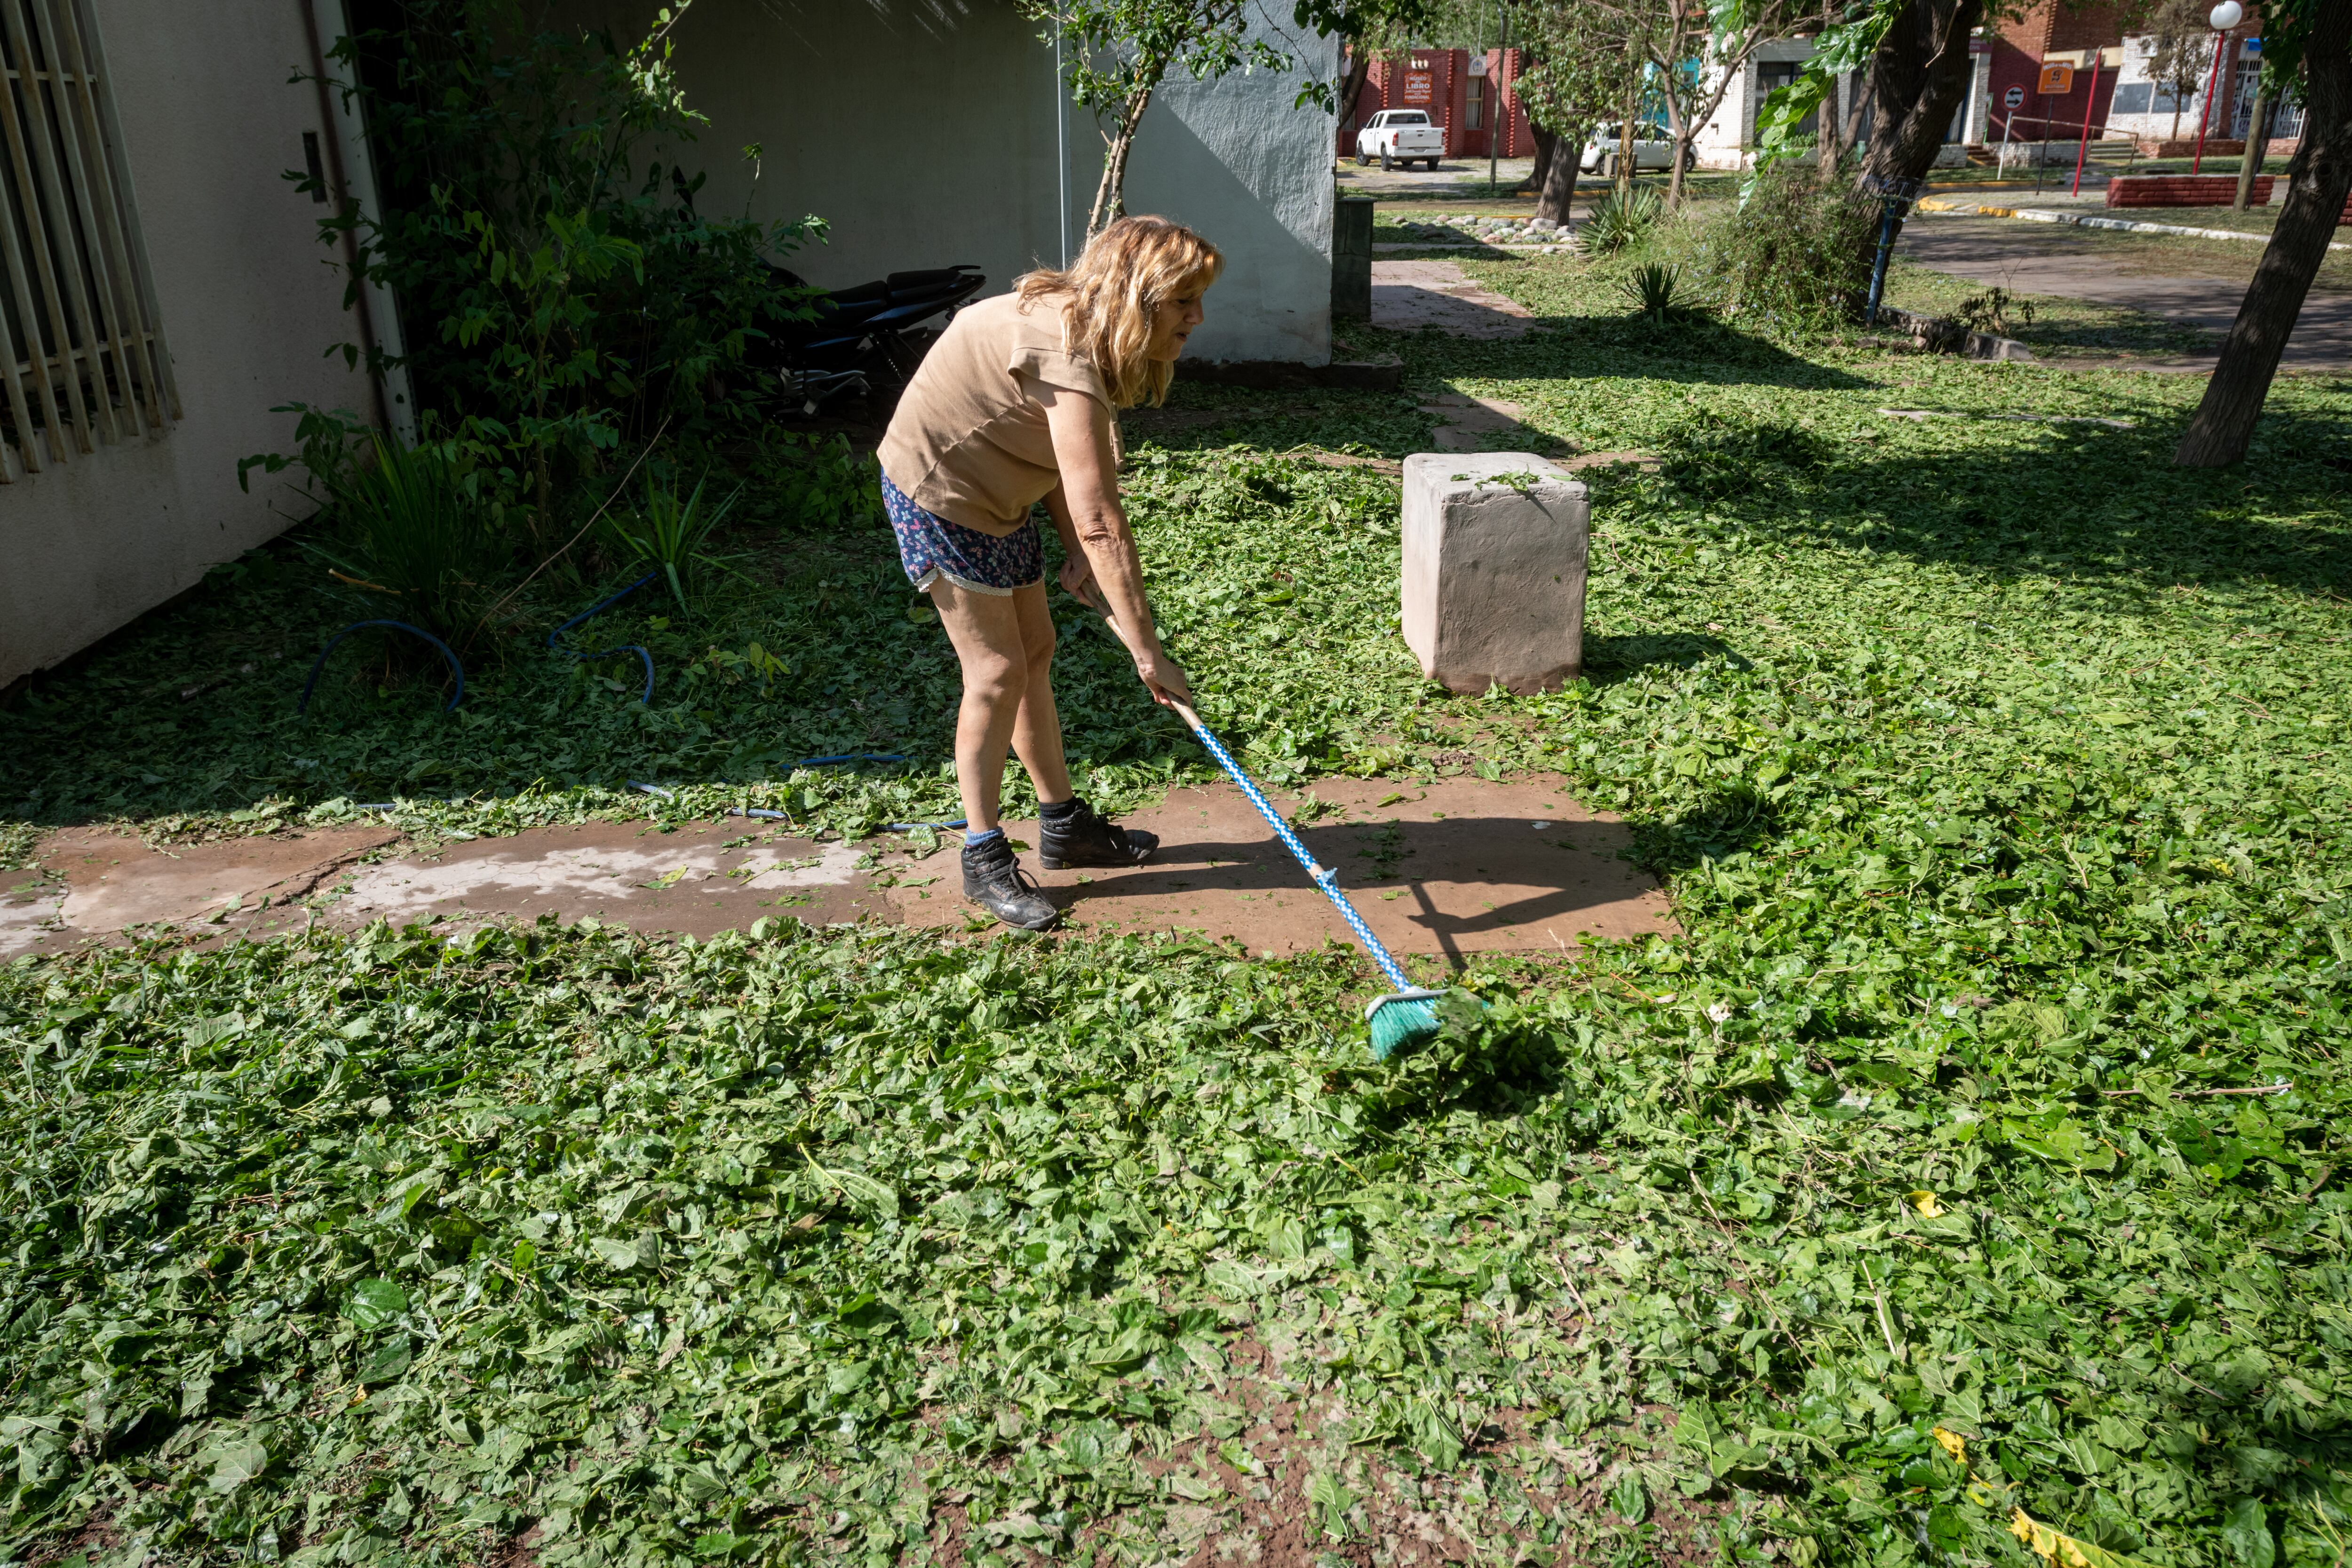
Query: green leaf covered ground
[1977, 1149]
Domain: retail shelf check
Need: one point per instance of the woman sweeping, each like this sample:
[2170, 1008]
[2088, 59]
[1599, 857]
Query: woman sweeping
[1013, 406]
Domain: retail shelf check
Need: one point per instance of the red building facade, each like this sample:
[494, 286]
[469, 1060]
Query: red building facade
[1462, 102]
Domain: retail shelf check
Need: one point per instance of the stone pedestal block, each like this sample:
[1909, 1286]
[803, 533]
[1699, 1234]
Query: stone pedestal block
[1494, 569]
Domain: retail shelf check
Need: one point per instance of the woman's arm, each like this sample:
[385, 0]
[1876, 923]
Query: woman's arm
[1085, 507]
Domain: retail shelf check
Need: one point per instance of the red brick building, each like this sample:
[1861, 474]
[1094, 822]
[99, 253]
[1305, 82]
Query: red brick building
[1462, 102]
[2104, 55]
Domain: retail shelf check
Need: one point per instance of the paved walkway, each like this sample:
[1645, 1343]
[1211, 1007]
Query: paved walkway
[2035, 259]
[1410, 295]
[1462, 866]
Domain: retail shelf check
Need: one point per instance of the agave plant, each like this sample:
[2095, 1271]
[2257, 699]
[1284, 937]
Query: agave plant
[668, 534]
[1618, 219]
[407, 538]
[1656, 290]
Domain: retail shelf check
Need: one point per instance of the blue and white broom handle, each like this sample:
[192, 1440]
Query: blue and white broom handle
[1323, 877]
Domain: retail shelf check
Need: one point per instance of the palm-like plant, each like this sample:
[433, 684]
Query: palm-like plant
[668, 534]
[1619, 219]
[1655, 290]
[405, 529]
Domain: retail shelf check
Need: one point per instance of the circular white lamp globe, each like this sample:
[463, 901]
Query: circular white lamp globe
[2226, 15]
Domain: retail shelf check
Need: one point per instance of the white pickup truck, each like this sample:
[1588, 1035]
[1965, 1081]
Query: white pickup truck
[1400, 136]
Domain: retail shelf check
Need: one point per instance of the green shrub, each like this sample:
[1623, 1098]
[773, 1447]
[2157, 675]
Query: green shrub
[557, 301]
[1619, 219]
[406, 539]
[1794, 258]
[815, 483]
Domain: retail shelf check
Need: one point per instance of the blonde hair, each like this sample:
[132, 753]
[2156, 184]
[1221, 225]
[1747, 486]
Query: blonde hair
[1124, 275]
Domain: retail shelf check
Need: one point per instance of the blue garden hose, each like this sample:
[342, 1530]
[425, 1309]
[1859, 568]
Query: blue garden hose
[455, 668]
[599, 608]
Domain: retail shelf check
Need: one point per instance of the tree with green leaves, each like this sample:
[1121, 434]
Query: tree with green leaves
[2306, 46]
[1580, 68]
[1117, 53]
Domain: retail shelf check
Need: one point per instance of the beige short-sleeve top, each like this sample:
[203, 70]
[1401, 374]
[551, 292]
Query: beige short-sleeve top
[969, 441]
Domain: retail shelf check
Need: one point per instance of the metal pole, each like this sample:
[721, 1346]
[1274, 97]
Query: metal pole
[1060, 144]
[2041, 159]
[2205, 112]
[2085, 147]
[1878, 268]
[2258, 144]
[1495, 96]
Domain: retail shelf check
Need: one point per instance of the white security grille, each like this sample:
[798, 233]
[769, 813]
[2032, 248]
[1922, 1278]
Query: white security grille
[82, 358]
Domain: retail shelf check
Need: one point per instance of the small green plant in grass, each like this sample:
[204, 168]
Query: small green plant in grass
[1996, 311]
[1619, 219]
[406, 538]
[1657, 290]
[668, 534]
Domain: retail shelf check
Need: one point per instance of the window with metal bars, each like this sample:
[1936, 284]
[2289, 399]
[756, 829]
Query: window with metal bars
[81, 345]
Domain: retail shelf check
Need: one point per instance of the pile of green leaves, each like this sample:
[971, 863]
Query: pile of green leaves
[1975, 1149]
[1793, 258]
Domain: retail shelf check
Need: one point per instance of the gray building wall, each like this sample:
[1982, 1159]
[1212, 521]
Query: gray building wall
[924, 132]
[247, 305]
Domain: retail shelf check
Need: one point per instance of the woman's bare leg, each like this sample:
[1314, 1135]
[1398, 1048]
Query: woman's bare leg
[1037, 732]
[1006, 645]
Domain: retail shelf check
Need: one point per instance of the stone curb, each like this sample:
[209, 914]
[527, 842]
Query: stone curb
[2085, 220]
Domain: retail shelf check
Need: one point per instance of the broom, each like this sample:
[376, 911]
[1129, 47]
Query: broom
[1404, 1016]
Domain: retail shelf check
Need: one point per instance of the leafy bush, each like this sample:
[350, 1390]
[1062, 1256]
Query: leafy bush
[1619, 219]
[818, 482]
[555, 304]
[1794, 257]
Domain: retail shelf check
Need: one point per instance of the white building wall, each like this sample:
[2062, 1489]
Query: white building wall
[925, 134]
[248, 304]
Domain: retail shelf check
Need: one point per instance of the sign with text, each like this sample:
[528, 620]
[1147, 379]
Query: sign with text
[2057, 82]
[1416, 87]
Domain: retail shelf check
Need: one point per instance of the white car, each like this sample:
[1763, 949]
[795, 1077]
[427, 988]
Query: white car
[1400, 136]
[1654, 148]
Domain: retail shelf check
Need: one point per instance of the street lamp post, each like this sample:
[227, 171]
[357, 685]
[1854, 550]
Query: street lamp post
[2223, 17]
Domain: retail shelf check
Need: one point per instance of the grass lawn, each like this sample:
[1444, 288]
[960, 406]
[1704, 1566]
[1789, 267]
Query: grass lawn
[1973, 1161]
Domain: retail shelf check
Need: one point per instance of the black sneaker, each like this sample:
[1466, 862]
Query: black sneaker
[994, 880]
[1083, 838]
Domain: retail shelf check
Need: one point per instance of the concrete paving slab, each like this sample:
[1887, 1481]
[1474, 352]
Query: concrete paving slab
[113, 881]
[1410, 295]
[697, 881]
[1462, 866]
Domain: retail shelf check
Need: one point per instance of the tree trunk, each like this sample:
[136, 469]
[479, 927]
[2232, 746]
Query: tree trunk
[1624, 181]
[1557, 192]
[1110, 195]
[2258, 145]
[2320, 179]
[1918, 78]
[1678, 123]
[1545, 142]
[1351, 90]
[1844, 133]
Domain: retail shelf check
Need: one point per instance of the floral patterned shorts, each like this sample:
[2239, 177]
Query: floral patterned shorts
[932, 547]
